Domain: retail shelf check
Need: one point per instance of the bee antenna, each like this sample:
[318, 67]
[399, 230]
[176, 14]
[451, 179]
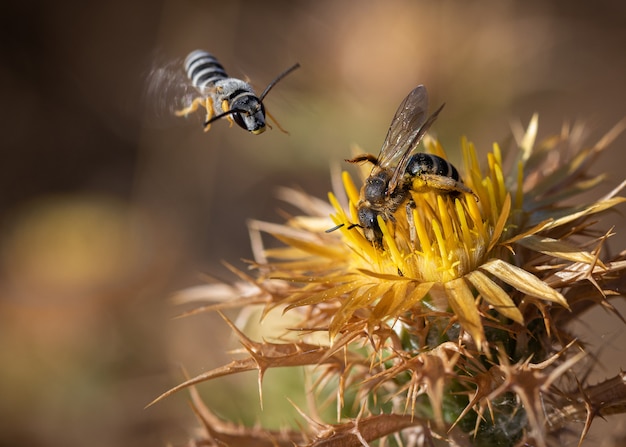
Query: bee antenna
[336, 227]
[362, 158]
[222, 115]
[354, 225]
[276, 79]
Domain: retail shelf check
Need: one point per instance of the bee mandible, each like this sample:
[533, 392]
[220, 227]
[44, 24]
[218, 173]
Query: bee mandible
[223, 96]
[391, 181]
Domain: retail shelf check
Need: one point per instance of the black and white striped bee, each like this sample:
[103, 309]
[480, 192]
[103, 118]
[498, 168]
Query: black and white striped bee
[392, 178]
[222, 96]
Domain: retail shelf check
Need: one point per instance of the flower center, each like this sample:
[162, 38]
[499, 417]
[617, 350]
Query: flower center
[442, 237]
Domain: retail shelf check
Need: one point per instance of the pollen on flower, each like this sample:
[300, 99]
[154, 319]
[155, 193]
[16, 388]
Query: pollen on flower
[439, 237]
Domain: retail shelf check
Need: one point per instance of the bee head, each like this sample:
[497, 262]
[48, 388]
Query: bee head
[369, 223]
[249, 113]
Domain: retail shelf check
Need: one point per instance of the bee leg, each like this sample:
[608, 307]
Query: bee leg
[225, 108]
[208, 105]
[447, 184]
[275, 122]
[410, 206]
[191, 108]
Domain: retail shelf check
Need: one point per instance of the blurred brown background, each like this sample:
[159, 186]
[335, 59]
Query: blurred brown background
[107, 209]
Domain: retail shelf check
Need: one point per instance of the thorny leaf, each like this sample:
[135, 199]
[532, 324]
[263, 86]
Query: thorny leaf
[262, 357]
[529, 381]
[602, 399]
[218, 432]
[359, 432]
[349, 434]
[429, 370]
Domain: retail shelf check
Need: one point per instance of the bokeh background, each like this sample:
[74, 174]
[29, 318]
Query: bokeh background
[107, 206]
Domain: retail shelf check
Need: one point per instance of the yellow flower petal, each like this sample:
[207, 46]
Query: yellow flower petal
[499, 228]
[462, 303]
[523, 281]
[563, 216]
[557, 249]
[495, 295]
[319, 297]
[413, 298]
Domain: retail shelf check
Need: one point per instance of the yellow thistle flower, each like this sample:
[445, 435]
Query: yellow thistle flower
[455, 253]
[505, 267]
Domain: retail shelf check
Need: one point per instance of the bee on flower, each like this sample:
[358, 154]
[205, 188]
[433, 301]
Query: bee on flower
[397, 170]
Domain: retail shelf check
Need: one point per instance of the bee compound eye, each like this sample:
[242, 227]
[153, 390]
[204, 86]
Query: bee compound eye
[239, 120]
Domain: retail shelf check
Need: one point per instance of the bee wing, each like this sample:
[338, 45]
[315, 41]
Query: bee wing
[167, 89]
[405, 125]
[416, 137]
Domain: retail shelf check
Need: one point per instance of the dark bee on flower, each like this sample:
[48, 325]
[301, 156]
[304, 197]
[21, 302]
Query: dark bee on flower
[397, 167]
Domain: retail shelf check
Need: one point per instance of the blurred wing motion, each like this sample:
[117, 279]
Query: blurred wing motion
[167, 89]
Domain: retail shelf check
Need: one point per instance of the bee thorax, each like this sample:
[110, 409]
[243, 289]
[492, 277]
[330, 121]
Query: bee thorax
[375, 187]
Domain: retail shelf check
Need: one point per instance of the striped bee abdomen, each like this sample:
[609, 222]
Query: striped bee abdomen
[203, 69]
[422, 163]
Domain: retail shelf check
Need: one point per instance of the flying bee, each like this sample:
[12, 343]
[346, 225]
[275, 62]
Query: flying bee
[223, 96]
[391, 181]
